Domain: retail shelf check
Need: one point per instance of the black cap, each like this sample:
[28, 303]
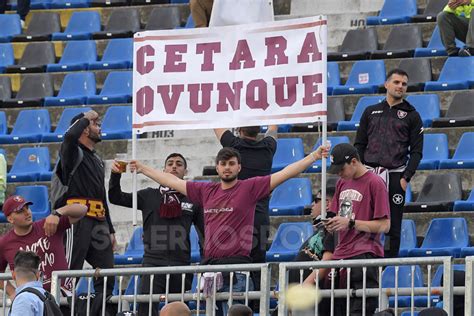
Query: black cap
[340, 155]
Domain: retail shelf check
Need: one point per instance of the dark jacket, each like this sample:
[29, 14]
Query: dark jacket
[391, 137]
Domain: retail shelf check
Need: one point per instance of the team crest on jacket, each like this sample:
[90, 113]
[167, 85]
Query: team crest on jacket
[401, 114]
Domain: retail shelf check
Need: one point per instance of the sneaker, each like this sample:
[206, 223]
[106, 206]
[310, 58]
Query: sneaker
[466, 52]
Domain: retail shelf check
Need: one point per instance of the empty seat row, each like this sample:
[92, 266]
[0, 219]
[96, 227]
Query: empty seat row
[76, 89]
[436, 152]
[34, 126]
[64, 4]
[77, 55]
[404, 11]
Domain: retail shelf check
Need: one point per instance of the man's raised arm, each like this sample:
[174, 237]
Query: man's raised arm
[165, 179]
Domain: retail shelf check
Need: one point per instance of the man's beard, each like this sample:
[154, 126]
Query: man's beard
[95, 138]
[227, 180]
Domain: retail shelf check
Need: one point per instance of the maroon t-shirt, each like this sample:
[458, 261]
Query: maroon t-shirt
[49, 249]
[228, 214]
[366, 199]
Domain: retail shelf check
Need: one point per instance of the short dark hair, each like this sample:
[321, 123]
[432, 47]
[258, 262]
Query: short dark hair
[397, 71]
[240, 310]
[75, 118]
[227, 153]
[177, 155]
[26, 262]
[250, 131]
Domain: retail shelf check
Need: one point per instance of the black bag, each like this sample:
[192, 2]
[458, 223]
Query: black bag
[51, 308]
[60, 183]
[95, 305]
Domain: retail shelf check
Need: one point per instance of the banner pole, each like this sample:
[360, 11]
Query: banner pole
[325, 134]
[134, 180]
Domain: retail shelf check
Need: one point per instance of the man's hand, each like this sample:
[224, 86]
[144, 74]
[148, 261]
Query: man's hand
[135, 165]
[113, 240]
[337, 223]
[321, 152]
[50, 225]
[403, 184]
[91, 115]
[115, 167]
[453, 4]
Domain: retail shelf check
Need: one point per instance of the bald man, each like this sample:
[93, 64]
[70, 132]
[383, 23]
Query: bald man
[240, 310]
[175, 309]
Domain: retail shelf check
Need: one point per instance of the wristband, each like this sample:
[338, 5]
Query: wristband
[57, 213]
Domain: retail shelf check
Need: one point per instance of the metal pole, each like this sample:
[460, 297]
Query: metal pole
[134, 180]
[469, 285]
[448, 277]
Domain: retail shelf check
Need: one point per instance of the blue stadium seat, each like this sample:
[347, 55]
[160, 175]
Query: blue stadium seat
[362, 104]
[65, 4]
[288, 240]
[407, 237]
[63, 124]
[365, 77]
[28, 128]
[282, 128]
[75, 89]
[117, 89]
[335, 140]
[291, 197]
[435, 46]
[427, 106]
[408, 313]
[436, 281]
[76, 56]
[455, 75]
[80, 27]
[81, 286]
[289, 150]
[3, 123]
[334, 78]
[189, 23]
[179, 1]
[11, 26]
[445, 237]
[6, 56]
[195, 248]
[38, 194]
[435, 148]
[117, 55]
[404, 281]
[408, 194]
[135, 249]
[467, 205]
[463, 157]
[40, 4]
[117, 123]
[29, 163]
[394, 12]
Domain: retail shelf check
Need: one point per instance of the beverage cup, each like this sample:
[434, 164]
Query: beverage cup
[122, 162]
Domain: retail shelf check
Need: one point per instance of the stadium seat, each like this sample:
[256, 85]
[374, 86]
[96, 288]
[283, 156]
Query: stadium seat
[135, 249]
[433, 7]
[5, 89]
[362, 104]
[467, 205]
[401, 42]
[38, 194]
[365, 77]
[80, 27]
[427, 106]
[42, 25]
[164, 18]
[394, 12]
[289, 150]
[404, 277]
[117, 88]
[418, 70]
[357, 44]
[63, 124]
[76, 56]
[109, 3]
[66, 4]
[117, 123]
[117, 55]
[335, 108]
[291, 197]
[122, 23]
[460, 112]
[288, 240]
[334, 78]
[335, 140]
[445, 237]
[195, 247]
[189, 23]
[28, 128]
[35, 58]
[455, 75]
[146, 2]
[463, 157]
[40, 4]
[75, 89]
[6, 56]
[81, 286]
[408, 194]
[29, 163]
[33, 89]
[282, 128]
[408, 313]
[11, 27]
[408, 239]
[438, 276]
[439, 192]
[435, 46]
[435, 148]
[3, 126]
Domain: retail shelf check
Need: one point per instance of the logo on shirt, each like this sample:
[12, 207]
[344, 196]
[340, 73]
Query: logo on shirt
[397, 199]
[218, 210]
[185, 206]
[376, 112]
[401, 114]
[351, 195]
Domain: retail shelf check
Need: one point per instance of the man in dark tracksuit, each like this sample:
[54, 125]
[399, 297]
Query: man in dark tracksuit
[167, 219]
[92, 238]
[390, 135]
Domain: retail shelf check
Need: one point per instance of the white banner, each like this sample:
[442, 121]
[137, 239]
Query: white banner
[244, 75]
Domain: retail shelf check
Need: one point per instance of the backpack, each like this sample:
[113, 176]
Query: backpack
[60, 184]
[51, 308]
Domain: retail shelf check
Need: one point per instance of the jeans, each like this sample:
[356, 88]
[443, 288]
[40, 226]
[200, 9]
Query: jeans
[238, 286]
